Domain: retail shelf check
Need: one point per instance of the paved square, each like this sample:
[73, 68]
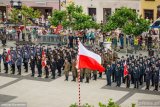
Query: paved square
[6, 98]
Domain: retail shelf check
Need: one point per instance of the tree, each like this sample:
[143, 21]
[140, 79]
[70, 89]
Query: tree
[27, 15]
[58, 17]
[128, 21]
[73, 18]
[14, 16]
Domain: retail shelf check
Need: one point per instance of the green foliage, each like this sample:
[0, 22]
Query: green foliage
[111, 103]
[73, 17]
[14, 16]
[26, 12]
[127, 20]
[58, 17]
[132, 28]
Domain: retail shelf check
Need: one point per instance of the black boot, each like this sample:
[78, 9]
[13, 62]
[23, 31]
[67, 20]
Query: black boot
[87, 80]
[81, 79]
[95, 77]
[53, 77]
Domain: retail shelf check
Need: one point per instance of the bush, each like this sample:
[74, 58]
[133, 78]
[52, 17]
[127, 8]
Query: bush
[111, 103]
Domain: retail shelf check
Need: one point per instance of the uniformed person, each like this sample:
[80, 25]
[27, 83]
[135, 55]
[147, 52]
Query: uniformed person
[108, 74]
[132, 70]
[148, 77]
[47, 67]
[87, 73]
[13, 61]
[5, 59]
[66, 69]
[59, 65]
[53, 68]
[82, 71]
[136, 77]
[113, 70]
[74, 70]
[152, 73]
[19, 63]
[39, 66]
[95, 75]
[142, 70]
[128, 77]
[118, 75]
[26, 60]
[156, 78]
[32, 65]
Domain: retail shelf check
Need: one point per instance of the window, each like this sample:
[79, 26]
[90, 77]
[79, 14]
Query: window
[149, 0]
[158, 11]
[92, 12]
[106, 14]
[148, 14]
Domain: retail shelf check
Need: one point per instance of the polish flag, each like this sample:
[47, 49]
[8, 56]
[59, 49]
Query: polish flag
[88, 59]
[43, 59]
[125, 69]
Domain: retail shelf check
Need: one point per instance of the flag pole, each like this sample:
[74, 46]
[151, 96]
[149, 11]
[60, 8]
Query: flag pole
[79, 84]
[79, 89]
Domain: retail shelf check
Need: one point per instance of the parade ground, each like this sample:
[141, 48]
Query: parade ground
[41, 92]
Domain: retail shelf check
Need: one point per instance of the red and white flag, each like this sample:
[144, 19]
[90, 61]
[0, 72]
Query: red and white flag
[88, 59]
[43, 59]
[125, 69]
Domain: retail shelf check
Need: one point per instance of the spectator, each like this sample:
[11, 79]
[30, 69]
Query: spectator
[136, 44]
[149, 42]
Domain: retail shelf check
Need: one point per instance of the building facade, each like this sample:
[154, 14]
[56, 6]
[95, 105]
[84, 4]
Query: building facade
[45, 6]
[150, 9]
[101, 9]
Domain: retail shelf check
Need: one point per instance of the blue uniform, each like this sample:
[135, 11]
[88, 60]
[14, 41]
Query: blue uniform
[26, 60]
[108, 75]
[13, 61]
[118, 76]
[19, 63]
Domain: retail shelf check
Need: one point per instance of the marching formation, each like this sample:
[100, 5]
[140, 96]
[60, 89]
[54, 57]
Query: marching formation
[39, 58]
[137, 70]
[134, 70]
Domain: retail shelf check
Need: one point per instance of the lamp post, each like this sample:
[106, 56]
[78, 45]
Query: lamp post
[16, 4]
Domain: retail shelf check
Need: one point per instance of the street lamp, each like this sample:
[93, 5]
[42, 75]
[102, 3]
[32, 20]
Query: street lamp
[11, 2]
[16, 4]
